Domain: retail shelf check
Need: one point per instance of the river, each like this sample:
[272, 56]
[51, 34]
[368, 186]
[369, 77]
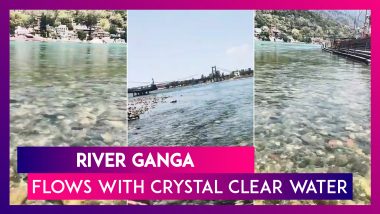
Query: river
[312, 113]
[215, 114]
[66, 94]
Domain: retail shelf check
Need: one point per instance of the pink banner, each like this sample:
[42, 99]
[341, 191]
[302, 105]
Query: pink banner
[135, 159]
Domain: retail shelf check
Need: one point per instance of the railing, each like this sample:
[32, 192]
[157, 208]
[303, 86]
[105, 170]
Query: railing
[353, 44]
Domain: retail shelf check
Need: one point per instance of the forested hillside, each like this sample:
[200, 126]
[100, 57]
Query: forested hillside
[302, 25]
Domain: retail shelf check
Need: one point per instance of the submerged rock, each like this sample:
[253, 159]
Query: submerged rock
[362, 187]
[353, 128]
[304, 163]
[360, 167]
[116, 124]
[18, 195]
[107, 138]
[86, 122]
[334, 170]
[130, 202]
[350, 143]
[319, 162]
[320, 152]
[259, 146]
[341, 160]
[73, 202]
[333, 144]
[309, 139]
[60, 117]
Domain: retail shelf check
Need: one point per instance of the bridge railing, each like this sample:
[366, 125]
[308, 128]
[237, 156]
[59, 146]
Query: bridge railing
[355, 44]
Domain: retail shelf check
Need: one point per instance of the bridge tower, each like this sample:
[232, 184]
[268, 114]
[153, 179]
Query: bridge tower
[213, 72]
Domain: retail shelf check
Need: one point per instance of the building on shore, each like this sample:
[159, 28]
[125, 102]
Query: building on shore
[62, 31]
[21, 31]
[236, 74]
[71, 32]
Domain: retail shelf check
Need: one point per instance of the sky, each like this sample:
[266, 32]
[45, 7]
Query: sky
[178, 45]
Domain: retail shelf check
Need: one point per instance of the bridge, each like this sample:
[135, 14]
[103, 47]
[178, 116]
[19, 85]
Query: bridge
[142, 90]
[216, 75]
[355, 49]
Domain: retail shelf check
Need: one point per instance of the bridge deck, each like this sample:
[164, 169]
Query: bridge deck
[144, 90]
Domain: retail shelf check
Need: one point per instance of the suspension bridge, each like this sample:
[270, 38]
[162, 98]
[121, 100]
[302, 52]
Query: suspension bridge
[215, 76]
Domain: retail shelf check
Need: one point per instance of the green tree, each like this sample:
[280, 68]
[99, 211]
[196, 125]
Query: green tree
[90, 22]
[296, 34]
[319, 31]
[306, 32]
[113, 29]
[123, 36]
[65, 18]
[12, 29]
[82, 35]
[117, 20]
[264, 35]
[307, 40]
[50, 19]
[67, 21]
[80, 17]
[19, 19]
[284, 37]
[43, 23]
[105, 24]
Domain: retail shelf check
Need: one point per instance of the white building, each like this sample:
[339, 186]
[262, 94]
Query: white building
[258, 32]
[80, 28]
[62, 31]
[236, 73]
[21, 31]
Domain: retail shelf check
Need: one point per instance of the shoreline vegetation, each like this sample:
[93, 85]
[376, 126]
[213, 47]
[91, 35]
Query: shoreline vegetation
[308, 27]
[93, 41]
[101, 27]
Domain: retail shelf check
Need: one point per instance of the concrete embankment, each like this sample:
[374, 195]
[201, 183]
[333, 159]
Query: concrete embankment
[357, 55]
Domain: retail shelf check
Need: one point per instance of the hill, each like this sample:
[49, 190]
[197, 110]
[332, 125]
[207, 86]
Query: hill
[303, 25]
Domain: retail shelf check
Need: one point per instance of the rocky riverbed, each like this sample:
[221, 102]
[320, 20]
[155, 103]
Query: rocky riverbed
[139, 105]
[57, 117]
[65, 95]
[216, 114]
[312, 115]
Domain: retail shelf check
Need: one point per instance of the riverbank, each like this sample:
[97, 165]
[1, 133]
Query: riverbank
[93, 41]
[258, 41]
[140, 105]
